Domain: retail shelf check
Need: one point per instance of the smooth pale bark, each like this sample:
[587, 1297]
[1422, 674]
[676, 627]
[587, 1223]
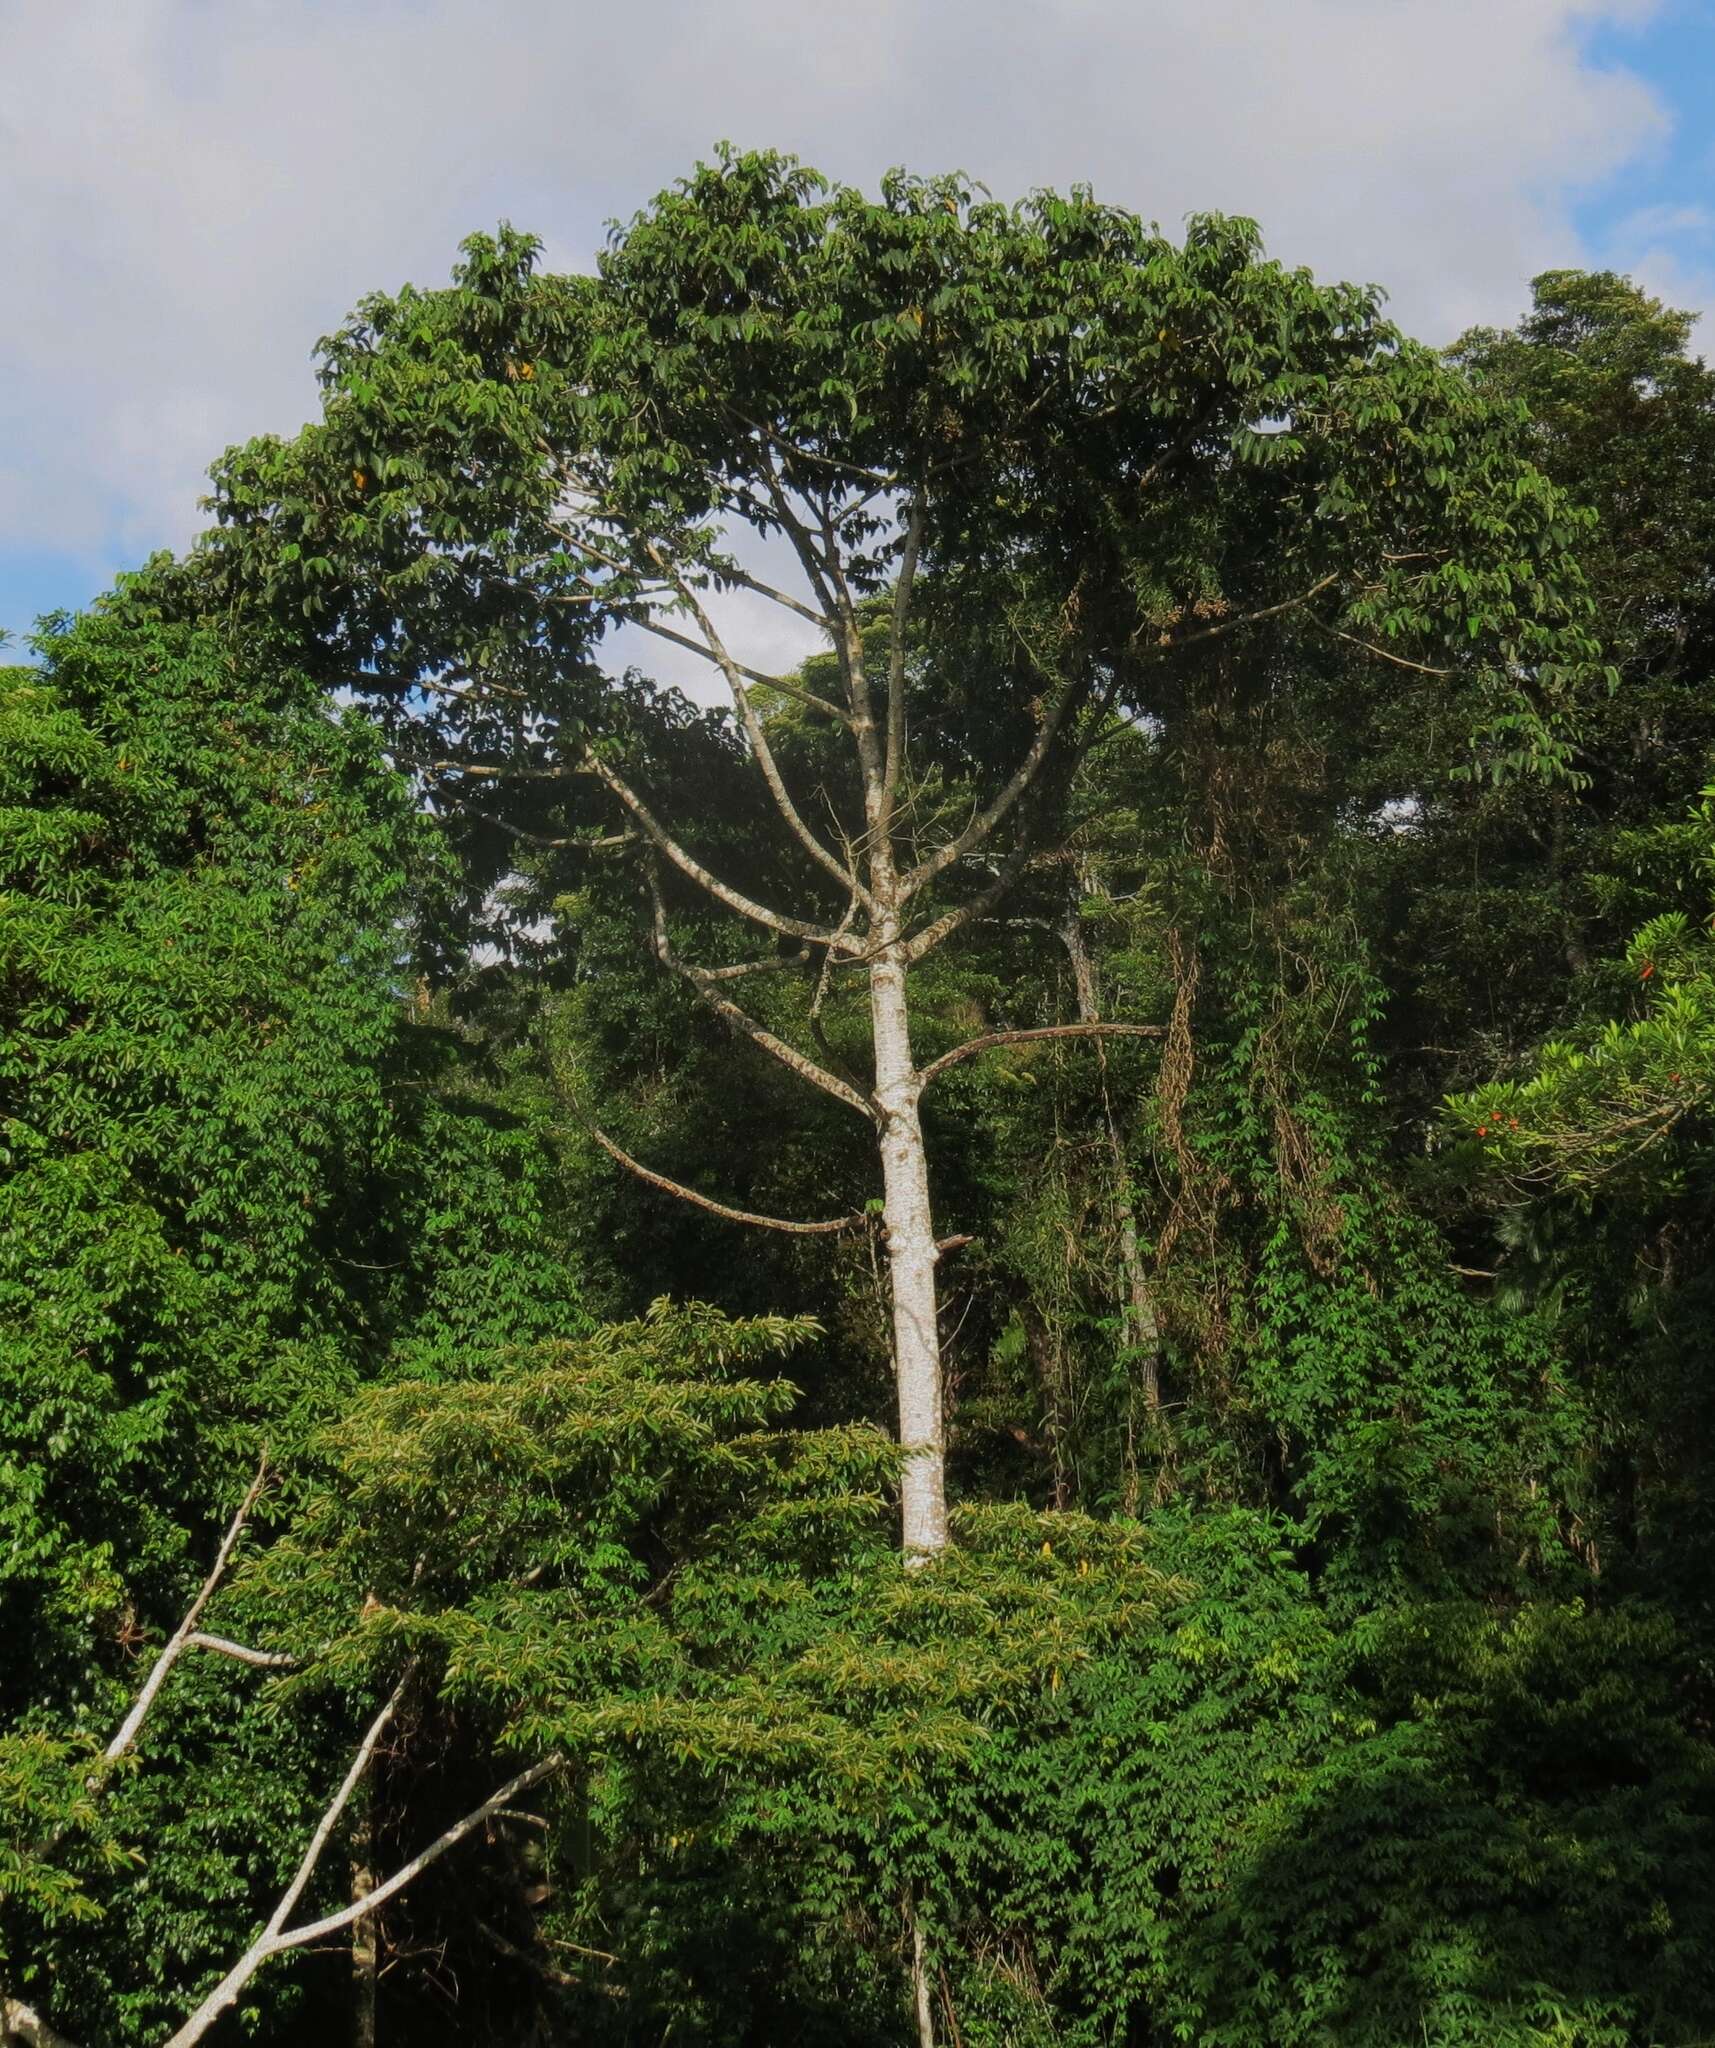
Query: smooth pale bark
[22, 2025]
[920, 1997]
[911, 1260]
[813, 502]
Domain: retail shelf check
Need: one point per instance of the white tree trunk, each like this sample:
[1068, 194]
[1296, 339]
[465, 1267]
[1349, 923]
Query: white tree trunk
[921, 2001]
[911, 1258]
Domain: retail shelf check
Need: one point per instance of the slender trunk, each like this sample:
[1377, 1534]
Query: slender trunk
[1141, 1328]
[911, 1258]
[1142, 1331]
[365, 1960]
[1050, 1377]
[920, 1985]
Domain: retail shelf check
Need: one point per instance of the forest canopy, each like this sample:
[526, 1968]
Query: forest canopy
[993, 1334]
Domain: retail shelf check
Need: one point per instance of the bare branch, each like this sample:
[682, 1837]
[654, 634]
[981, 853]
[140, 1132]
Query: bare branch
[803, 545]
[276, 1939]
[506, 771]
[1422, 668]
[271, 1940]
[181, 1636]
[1170, 645]
[548, 1972]
[1016, 786]
[779, 963]
[753, 728]
[241, 1653]
[825, 979]
[1024, 776]
[549, 1767]
[480, 695]
[688, 864]
[794, 448]
[604, 842]
[857, 679]
[827, 1228]
[22, 2024]
[703, 981]
[731, 573]
[989, 1039]
[754, 675]
[931, 935]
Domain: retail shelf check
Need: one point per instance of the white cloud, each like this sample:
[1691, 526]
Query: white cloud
[1649, 224]
[192, 190]
[1670, 251]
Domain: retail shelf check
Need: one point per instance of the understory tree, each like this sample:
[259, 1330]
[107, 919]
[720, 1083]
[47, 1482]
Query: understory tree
[607, 1574]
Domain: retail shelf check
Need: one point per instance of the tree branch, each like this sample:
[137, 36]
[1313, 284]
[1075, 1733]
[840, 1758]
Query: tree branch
[1017, 785]
[1168, 645]
[549, 1767]
[603, 842]
[827, 1228]
[731, 573]
[270, 1941]
[931, 935]
[753, 730]
[868, 476]
[688, 864]
[180, 1639]
[241, 1653]
[973, 1046]
[814, 567]
[808, 698]
[702, 980]
[1421, 668]
[22, 2024]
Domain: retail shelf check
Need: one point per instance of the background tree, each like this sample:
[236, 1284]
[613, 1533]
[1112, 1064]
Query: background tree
[244, 1170]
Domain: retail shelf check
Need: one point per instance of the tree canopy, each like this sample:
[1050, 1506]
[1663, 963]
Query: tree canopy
[1177, 1014]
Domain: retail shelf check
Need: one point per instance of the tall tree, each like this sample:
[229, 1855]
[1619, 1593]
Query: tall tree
[1076, 466]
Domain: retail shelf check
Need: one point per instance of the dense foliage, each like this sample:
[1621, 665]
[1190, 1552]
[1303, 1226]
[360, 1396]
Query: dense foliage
[1320, 1050]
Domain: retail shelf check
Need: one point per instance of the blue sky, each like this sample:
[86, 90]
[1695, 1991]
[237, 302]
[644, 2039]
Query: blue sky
[195, 189]
[1656, 216]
